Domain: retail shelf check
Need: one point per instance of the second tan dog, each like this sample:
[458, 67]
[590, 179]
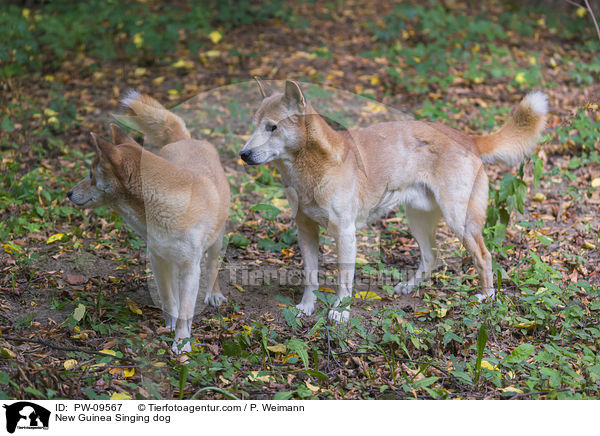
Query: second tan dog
[343, 180]
[177, 200]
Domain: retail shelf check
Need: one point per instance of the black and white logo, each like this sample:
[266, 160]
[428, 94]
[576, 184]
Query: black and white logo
[26, 415]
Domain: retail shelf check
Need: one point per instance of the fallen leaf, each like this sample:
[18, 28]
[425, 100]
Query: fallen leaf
[79, 312]
[539, 197]
[133, 307]
[279, 348]
[55, 237]
[215, 36]
[69, 363]
[367, 295]
[312, 388]
[12, 248]
[120, 396]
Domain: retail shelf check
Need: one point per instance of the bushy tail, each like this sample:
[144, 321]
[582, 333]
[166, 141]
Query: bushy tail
[517, 138]
[159, 126]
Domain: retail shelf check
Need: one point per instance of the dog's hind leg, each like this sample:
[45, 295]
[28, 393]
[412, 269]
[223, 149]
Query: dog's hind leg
[214, 297]
[189, 282]
[466, 217]
[423, 225]
[308, 240]
[163, 271]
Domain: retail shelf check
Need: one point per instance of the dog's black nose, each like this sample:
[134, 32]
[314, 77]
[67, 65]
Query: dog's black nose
[245, 155]
[69, 193]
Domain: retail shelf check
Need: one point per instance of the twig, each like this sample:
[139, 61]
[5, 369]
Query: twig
[216, 389]
[589, 8]
[58, 347]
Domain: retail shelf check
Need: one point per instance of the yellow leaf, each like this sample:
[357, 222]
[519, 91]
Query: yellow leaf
[312, 388]
[441, 312]
[183, 64]
[361, 260]
[532, 60]
[416, 59]
[128, 372]
[328, 290]
[138, 40]
[107, 351]
[69, 363]
[280, 203]
[279, 348]
[215, 36]
[539, 197]
[239, 288]
[488, 365]
[580, 12]
[253, 376]
[55, 237]
[525, 325]
[11, 248]
[247, 329]
[511, 389]
[596, 182]
[213, 54]
[541, 22]
[49, 78]
[158, 80]
[7, 354]
[120, 396]
[53, 120]
[553, 63]
[520, 78]
[422, 312]
[374, 107]
[159, 364]
[140, 71]
[83, 336]
[50, 113]
[589, 245]
[173, 92]
[26, 12]
[133, 307]
[287, 252]
[364, 295]
[375, 80]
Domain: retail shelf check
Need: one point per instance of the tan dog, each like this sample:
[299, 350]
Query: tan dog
[178, 200]
[343, 180]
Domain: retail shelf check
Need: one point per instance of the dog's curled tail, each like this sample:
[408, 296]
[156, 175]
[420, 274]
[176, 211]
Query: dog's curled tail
[159, 125]
[517, 138]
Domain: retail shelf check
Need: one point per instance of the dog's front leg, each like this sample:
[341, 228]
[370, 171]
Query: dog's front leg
[308, 239]
[346, 250]
[189, 282]
[163, 271]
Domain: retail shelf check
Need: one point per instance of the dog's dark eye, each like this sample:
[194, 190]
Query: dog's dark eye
[270, 127]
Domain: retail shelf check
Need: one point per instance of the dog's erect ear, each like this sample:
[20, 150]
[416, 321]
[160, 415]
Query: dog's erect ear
[293, 96]
[265, 90]
[106, 150]
[118, 135]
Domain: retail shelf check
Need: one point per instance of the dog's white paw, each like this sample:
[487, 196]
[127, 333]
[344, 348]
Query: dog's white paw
[404, 289]
[306, 308]
[215, 299]
[482, 297]
[339, 316]
[178, 348]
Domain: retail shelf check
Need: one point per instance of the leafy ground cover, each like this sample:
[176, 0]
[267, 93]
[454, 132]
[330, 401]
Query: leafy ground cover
[75, 315]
